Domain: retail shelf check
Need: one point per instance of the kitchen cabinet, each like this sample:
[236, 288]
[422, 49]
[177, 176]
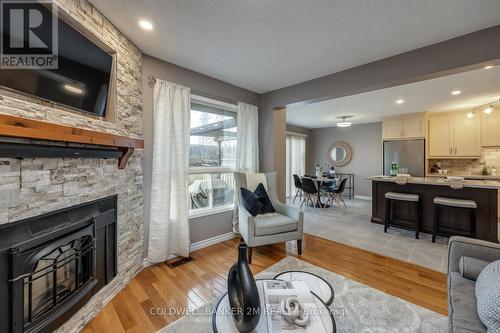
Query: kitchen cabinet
[454, 135]
[392, 129]
[414, 127]
[490, 125]
[403, 127]
[440, 136]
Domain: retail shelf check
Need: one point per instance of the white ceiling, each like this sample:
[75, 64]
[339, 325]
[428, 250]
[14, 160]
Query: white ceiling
[478, 87]
[264, 45]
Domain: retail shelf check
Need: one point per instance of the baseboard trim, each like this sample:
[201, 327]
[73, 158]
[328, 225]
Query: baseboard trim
[146, 263]
[363, 197]
[211, 241]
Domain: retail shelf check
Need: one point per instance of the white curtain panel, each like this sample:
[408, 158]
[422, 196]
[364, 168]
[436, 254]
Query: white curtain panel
[295, 161]
[247, 151]
[169, 222]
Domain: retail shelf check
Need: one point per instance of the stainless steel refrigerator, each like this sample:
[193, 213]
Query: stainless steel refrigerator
[408, 154]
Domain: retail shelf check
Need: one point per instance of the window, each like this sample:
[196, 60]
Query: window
[212, 155]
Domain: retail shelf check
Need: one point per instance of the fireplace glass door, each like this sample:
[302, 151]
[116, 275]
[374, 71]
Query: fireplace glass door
[52, 276]
[56, 276]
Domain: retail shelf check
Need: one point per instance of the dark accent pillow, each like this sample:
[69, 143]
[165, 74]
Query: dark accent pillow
[260, 191]
[257, 202]
[251, 202]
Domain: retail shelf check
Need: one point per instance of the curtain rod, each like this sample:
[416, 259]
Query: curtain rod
[152, 81]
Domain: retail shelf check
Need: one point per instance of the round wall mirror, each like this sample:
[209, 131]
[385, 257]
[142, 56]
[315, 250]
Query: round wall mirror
[340, 154]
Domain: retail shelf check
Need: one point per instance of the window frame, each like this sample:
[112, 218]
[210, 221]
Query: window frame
[207, 211]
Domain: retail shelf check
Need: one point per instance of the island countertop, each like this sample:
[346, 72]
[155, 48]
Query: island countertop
[470, 183]
[485, 194]
[466, 176]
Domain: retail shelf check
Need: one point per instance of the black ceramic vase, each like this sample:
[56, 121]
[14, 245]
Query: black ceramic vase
[243, 294]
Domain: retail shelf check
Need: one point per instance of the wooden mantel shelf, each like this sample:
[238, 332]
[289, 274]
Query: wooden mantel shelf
[17, 127]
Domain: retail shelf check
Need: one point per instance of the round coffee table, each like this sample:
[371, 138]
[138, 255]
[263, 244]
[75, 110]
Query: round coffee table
[222, 320]
[317, 285]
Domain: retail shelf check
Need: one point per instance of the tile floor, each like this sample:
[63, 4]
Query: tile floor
[352, 226]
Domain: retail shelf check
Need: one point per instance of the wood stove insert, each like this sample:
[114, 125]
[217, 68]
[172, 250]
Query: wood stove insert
[51, 265]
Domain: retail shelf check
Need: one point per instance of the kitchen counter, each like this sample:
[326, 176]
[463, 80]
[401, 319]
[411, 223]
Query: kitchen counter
[441, 181]
[483, 192]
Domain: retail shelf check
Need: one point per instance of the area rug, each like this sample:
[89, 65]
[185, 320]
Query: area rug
[356, 307]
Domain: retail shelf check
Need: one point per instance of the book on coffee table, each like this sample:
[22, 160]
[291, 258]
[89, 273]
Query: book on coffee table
[275, 292]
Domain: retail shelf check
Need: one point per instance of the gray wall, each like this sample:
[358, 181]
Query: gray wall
[211, 226]
[366, 143]
[204, 227]
[464, 53]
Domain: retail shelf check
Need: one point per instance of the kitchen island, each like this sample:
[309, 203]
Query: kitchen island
[483, 192]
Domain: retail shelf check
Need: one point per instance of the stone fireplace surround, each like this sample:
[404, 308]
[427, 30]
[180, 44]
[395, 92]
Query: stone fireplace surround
[31, 187]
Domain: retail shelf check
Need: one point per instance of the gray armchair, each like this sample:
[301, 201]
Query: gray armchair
[258, 230]
[462, 310]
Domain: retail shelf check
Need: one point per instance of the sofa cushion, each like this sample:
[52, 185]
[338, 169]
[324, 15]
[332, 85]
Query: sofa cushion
[462, 297]
[488, 296]
[273, 224]
[257, 202]
[470, 268]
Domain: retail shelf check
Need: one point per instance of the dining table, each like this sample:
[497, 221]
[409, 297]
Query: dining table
[319, 181]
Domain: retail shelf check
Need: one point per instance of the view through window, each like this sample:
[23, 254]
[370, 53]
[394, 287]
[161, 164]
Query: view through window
[212, 157]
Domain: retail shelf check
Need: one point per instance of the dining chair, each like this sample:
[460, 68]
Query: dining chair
[310, 192]
[298, 186]
[337, 194]
[327, 186]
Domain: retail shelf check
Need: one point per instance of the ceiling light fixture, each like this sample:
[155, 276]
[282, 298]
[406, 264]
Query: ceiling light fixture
[456, 92]
[73, 89]
[344, 123]
[146, 25]
[488, 67]
[400, 101]
[488, 110]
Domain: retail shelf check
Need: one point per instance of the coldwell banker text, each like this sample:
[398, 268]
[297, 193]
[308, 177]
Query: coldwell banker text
[29, 34]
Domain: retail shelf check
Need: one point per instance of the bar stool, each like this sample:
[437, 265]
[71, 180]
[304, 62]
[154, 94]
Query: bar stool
[392, 198]
[466, 205]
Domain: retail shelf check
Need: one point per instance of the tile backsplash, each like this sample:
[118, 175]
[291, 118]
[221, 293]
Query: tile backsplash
[490, 158]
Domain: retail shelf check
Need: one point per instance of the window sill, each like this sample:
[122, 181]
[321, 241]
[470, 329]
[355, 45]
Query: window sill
[210, 211]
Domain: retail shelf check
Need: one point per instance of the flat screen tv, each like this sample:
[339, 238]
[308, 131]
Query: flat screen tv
[81, 81]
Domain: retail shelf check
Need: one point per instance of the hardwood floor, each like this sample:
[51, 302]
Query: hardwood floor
[204, 279]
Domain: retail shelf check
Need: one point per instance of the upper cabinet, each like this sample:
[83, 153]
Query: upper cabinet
[414, 127]
[404, 127]
[392, 129]
[490, 128]
[454, 135]
[440, 136]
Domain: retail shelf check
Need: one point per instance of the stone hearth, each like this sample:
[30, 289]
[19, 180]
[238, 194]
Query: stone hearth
[32, 187]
